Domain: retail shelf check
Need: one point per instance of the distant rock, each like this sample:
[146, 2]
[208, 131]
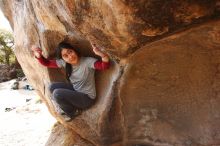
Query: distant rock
[9, 72]
[15, 85]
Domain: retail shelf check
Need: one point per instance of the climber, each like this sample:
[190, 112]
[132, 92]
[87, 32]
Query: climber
[79, 93]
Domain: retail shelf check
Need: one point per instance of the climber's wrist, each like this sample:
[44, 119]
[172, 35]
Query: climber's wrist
[105, 58]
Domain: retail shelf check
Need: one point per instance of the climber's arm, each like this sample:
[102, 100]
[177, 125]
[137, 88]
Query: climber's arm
[42, 60]
[104, 64]
[47, 62]
[101, 65]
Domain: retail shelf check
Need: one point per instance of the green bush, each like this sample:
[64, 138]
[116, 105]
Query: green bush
[7, 55]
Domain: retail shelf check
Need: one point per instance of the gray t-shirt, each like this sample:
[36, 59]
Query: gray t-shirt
[82, 76]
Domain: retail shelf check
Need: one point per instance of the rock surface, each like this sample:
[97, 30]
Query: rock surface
[170, 89]
[9, 72]
[60, 135]
[163, 86]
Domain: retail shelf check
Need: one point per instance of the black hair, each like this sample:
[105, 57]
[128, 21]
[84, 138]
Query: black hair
[68, 66]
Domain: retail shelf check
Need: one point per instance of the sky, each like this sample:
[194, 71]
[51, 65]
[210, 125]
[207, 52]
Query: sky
[4, 24]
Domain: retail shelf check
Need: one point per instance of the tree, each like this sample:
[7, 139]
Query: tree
[6, 47]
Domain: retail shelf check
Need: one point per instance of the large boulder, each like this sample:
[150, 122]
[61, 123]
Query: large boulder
[170, 90]
[163, 85]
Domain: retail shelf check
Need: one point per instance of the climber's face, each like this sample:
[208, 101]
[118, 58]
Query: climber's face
[70, 56]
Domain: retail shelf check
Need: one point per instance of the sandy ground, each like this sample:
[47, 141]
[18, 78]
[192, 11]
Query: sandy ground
[29, 123]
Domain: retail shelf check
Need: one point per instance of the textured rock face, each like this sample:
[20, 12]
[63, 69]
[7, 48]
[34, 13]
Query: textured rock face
[163, 86]
[61, 135]
[171, 90]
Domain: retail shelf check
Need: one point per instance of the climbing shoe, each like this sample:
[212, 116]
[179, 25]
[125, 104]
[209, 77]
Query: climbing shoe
[66, 117]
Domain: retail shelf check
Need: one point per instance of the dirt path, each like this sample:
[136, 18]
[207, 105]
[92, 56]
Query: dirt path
[26, 122]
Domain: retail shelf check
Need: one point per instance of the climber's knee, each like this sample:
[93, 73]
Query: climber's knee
[51, 87]
[57, 95]
[58, 85]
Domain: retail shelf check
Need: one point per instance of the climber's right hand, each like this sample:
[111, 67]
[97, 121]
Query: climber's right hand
[36, 51]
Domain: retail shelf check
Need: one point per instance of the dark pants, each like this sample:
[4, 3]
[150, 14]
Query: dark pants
[68, 99]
